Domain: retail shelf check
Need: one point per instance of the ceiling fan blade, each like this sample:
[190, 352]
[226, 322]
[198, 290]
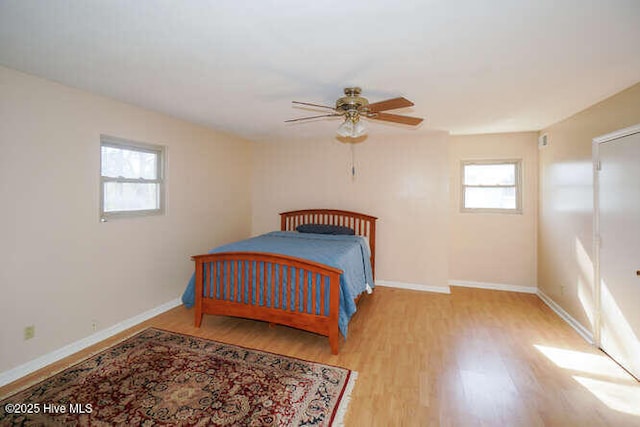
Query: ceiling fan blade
[396, 118]
[312, 117]
[312, 105]
[390, 104]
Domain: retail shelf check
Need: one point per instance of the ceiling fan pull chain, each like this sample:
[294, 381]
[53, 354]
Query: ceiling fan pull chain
[353, 162]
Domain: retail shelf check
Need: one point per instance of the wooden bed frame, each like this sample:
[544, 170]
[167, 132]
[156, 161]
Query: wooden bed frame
[232, 294]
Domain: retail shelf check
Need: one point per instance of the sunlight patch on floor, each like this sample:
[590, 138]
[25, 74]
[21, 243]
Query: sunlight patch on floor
[620, 397]
[613, 386]
[594, 364]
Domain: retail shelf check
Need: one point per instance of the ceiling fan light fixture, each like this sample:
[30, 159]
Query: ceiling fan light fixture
[352, 127]
[358, 129]
[346, 129]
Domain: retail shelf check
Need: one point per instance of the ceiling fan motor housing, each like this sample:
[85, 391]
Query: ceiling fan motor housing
[352, 101]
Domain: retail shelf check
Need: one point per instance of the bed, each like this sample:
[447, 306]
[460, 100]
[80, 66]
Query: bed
[305, 280]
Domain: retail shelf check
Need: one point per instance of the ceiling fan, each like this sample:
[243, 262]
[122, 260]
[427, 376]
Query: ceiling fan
[352, 107]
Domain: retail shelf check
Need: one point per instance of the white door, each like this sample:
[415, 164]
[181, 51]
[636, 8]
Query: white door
[618, 221]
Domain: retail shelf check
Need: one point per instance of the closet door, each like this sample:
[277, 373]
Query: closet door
[618, 224]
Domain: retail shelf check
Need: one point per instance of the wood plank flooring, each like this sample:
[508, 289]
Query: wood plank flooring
[472, 358]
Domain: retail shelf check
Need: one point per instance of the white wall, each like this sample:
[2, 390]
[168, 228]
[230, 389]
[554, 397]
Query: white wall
[403, 180]
[565, 232]
[490, 247]
[61, 268]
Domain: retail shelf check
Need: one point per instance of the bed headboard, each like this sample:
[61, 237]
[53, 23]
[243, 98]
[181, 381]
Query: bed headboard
[363, 225]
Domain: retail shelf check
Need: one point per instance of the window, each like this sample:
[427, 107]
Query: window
[491, 186]
[132, 178]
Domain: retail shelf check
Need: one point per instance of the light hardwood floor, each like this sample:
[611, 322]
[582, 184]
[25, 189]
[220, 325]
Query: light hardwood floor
[472, 358]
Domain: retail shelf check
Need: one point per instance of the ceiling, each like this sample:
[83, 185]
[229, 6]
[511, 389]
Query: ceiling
[470, 66]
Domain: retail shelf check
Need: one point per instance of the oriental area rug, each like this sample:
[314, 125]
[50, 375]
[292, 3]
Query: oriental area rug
[158, 378]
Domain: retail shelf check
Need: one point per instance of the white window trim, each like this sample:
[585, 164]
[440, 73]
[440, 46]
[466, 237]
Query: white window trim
[518, 186]
[112, 141]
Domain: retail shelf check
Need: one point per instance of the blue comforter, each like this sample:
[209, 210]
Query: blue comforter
[349, 253]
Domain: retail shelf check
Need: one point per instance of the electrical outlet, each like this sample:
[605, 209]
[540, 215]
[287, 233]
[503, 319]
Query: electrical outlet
[562, 289]
[29, 332]
[94, 325]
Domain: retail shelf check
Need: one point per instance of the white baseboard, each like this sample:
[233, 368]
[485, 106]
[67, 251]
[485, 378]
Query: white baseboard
[494, 286]
[413, 286]
[13, 374]
[579, 327]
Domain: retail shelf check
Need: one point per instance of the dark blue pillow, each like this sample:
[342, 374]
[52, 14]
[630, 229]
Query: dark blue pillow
[324, 229]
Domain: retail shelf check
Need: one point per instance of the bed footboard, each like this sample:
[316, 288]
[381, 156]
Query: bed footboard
[269, 287]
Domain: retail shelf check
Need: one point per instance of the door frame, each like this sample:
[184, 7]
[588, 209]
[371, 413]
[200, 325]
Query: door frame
[597, 291]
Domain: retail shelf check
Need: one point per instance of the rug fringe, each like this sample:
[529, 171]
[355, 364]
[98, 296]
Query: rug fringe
[338, 421]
